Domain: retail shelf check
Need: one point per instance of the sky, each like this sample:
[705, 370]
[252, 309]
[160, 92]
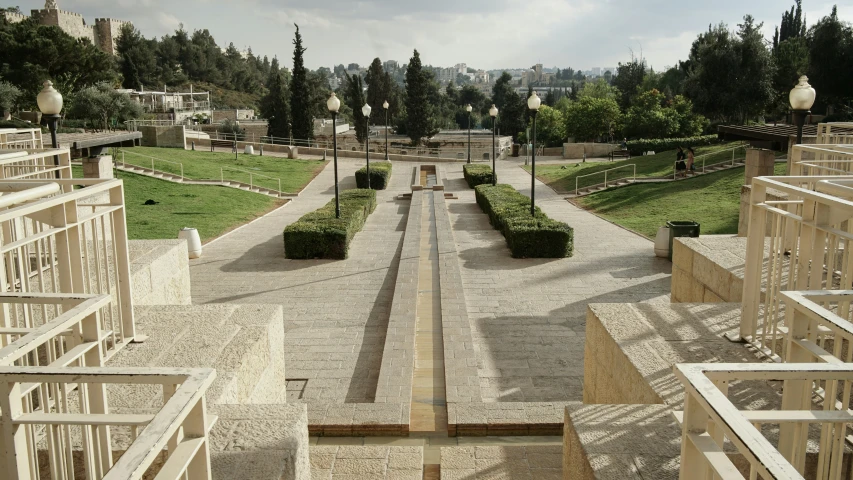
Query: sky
[485, 34]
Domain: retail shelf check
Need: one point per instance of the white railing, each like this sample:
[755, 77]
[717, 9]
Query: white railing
[835, 133]
[61, 239]
[809, 246]
[66, 418]
[152, 160]
[710, 420]
[605, 173]
[35, 163]
[21, 138]
[706, 160]
[252, 177]
[825, 160]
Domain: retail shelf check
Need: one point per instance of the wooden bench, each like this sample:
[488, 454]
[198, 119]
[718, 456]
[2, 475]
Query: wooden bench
[620, 153]
[223, 143]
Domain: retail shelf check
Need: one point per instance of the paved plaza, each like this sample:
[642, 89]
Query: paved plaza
[527, 316]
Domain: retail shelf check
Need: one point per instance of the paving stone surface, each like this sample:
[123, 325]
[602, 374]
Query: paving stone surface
[366, 462]
[502, 462]
[527, 315]
[335, 311]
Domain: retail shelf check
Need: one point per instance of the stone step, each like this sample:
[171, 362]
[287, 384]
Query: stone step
[380, 462]
[540, 462]
[241, 342]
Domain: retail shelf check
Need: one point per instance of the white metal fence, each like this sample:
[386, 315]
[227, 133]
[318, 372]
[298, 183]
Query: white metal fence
[710, 422]
[21, 138]
[67, 419]
[35, 163]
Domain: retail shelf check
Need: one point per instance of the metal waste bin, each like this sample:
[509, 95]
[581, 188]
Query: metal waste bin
[515, 149]
[681, 229]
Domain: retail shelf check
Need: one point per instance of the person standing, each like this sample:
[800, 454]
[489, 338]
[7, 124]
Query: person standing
[680, 166]
[691, 161]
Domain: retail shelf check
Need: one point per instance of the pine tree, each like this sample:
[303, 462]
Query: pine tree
[420, 116]
[275, 108]
[303, 124]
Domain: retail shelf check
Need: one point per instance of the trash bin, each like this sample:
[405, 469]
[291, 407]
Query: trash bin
[515, 148]
[681, 229]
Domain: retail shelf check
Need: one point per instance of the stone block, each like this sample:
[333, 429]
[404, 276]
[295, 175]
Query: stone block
[160, 272]
[98, 167]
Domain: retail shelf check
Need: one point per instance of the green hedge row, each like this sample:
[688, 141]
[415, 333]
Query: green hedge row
[637, 147]
[380, 174]
[526, 236]
[320, 235]
[477, 174]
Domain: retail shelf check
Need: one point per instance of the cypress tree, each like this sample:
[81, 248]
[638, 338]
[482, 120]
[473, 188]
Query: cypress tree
[376, 90]
[303, 124]
[420, 121]
[355, 99]
[275, 109]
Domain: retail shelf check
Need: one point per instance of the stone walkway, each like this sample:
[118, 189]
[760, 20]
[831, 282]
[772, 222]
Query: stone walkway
[335, 312]
[528, 316]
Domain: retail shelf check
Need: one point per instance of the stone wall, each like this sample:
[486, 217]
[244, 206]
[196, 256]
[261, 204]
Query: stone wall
[71, 23]
[593, 150]
[157, 136]
[14, 17]
[107, 31]
[160, 272]
[219, 116]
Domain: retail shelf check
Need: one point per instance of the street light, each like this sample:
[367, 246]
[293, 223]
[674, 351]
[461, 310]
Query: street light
[385, 106]
[365, 110]
[533, 104]
[334, 104]
[494, 113]
[50, 104]
[802, 99]
[468, 109]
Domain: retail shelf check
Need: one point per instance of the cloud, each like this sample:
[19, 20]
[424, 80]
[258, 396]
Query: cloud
[168, 21]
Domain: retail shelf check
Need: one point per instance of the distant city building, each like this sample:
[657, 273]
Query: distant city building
[391, 65]
[103, 34]
[334, 82]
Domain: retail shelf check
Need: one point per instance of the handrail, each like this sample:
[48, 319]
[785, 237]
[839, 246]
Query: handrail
[124, 164]
[705, 155]
[577, 179]
[251, 177]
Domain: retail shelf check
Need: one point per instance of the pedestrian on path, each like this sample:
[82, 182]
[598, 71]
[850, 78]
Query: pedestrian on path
[680, 166]
[691, 161]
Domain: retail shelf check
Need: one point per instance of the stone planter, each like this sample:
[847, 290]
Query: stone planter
[662, 242]
[193, 241]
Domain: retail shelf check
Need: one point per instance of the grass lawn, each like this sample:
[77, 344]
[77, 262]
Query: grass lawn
[712, 200]
[213, 210]
[294, 174]
[652, 166]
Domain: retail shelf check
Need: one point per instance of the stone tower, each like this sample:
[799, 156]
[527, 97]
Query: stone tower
[50, 5]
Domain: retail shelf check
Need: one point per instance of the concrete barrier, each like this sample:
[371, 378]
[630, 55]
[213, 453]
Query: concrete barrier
[592, 150]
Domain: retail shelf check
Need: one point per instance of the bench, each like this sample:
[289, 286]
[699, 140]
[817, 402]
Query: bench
[223, 143]
[620, 153]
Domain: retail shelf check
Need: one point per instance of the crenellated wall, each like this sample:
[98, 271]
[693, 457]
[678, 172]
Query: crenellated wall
[103, 34]
[107, 31]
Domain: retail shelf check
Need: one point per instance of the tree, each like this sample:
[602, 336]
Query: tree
[354, 96]
[830, 44]
[9, 95]
[419, 112]
[377, 92]
[591, 118]
[303, 123]
[628, 79]
[550, 98]
[550, 127]
[600, 89]
[511, 118]
[137, 58]
[756, 67]
[501, 90]
[653, 116]
[275, 108]
[104, 106]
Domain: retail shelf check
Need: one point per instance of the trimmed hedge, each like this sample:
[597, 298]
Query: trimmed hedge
[476, 174]
[637, 147]
[380, 173]
[526, 236]
[320, 235]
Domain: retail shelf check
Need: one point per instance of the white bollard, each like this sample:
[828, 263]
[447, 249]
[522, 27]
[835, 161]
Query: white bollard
[193, 241]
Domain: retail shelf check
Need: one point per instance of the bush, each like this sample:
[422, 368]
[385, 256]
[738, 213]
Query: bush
[320, 235]
[526, 236]
[637, 147]
[477, 174]
[380, 173]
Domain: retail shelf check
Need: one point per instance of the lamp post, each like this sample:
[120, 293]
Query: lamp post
[802, 99]
[365, 110]
[50, 104]
[533, 104]
[334, 104]
[494, 114]
[468, 109]
[385, 106]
